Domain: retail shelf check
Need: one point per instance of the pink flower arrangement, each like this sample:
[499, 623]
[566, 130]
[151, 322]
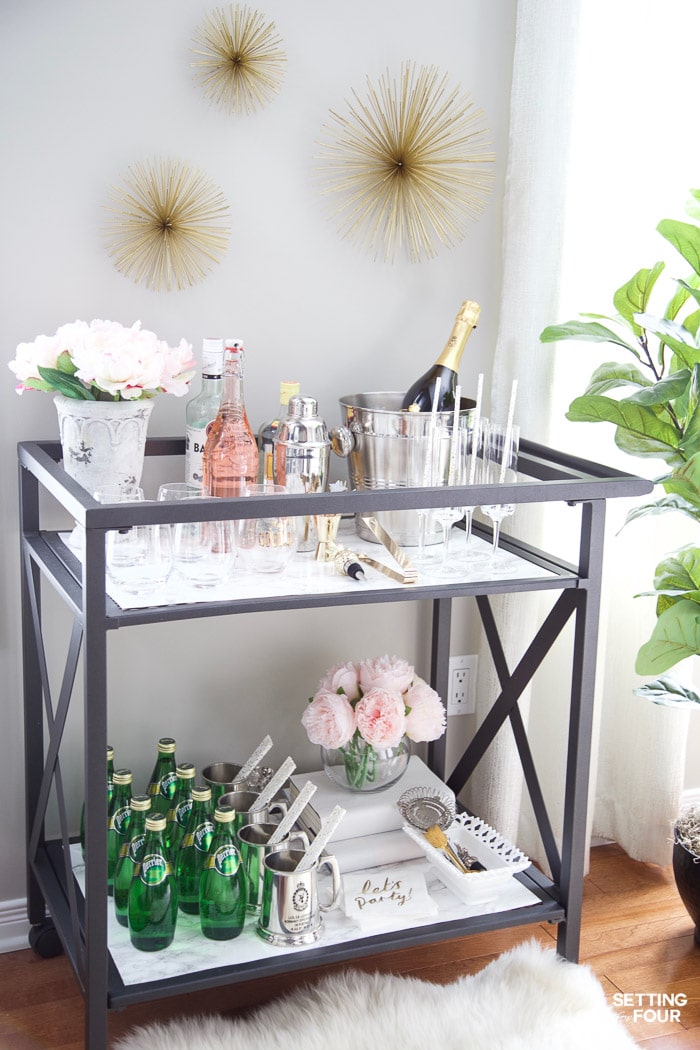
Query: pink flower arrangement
[103, 361]
[380, 700]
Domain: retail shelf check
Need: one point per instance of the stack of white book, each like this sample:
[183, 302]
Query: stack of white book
[371, 832]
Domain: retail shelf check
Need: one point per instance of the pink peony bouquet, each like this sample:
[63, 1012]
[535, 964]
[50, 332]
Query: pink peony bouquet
[361, 708]
[103, 361]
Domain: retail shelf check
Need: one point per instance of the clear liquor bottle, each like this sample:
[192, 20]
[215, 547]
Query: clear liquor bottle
[201, 410]
[152, 908]
[230, 461]
[161, 786]
[130, 855]
[222, 887]
[268, 431]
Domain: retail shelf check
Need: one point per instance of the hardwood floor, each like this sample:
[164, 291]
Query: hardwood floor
[636, 937]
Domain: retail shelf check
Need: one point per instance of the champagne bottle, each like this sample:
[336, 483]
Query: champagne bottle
[230, 460]
[201, 411]
[194, 848]
[110, 792]
[119, 816]
[223, 887]
[161, 787]
[130, 856]
[446, 366]
[153, 893]
[268, 431]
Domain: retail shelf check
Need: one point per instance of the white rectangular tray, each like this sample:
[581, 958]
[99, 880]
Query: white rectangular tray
[499, 857]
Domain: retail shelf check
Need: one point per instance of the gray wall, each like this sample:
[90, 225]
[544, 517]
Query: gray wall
[93, 87]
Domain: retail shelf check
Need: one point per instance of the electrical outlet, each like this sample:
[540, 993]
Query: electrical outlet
[461, 699]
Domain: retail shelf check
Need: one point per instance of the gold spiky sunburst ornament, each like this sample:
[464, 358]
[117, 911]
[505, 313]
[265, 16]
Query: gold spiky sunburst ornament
[408, 167]
[242, 66]
[169, 225]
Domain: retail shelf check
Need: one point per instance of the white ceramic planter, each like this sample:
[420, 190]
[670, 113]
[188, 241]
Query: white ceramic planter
[103, 441]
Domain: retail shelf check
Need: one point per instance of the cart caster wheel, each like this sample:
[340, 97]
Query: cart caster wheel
[44, 940]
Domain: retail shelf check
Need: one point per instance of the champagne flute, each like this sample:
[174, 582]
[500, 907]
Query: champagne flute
[500, 467]
[456, 476]
[472, 450]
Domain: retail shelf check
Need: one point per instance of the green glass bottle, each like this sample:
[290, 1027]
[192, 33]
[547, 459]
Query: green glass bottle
[152, 907]
[176, 820]
[222, 887]
[130, 856]
[194, 848]
[161, 786]
[118, 818]
[110, 792]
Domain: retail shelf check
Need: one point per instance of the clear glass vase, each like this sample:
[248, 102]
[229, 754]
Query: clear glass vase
[360, 767]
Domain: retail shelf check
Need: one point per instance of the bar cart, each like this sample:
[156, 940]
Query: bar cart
[78, 915]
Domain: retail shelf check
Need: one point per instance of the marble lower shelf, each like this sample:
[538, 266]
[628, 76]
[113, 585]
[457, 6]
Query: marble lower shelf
[191, 952]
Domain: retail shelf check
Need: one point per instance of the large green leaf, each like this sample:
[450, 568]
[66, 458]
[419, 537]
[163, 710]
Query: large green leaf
[684, 289]
[667, 389]
[633, 297]
[679, 571]
[684, 237]
[588, 331]
[684, 486]
[646, 448]
[65, 384]
[668, 692]
[690, 290]
[613, 374]
[673, 335]
[643, 432]
[675, 637]
[662, 506]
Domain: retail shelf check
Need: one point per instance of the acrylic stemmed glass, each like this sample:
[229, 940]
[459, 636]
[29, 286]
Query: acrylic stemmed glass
[501, 446]
[431, 452]
[448, 516]
[472, 452]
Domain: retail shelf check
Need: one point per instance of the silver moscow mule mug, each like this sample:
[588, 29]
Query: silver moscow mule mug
[253, 841]
[291, 910]
[243, 801]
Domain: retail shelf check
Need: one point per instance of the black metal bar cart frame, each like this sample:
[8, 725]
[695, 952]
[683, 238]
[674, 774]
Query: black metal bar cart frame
[80, 919]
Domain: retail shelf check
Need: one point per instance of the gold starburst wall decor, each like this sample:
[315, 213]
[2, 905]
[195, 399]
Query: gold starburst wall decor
[242, 66]
[169, 225]
[408, 166]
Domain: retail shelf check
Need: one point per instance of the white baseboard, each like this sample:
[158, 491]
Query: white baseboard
[14, 925]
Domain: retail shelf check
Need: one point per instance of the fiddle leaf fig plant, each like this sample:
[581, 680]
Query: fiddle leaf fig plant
[656, 414]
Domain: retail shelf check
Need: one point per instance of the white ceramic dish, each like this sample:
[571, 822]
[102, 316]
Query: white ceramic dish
[499, 857]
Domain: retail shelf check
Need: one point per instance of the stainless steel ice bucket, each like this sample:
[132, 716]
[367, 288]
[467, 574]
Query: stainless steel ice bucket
[389, 448]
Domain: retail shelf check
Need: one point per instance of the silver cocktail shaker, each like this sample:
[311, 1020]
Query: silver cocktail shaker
[302, 456]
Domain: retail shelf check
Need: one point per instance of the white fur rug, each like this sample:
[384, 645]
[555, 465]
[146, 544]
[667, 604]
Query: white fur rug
[527, 999]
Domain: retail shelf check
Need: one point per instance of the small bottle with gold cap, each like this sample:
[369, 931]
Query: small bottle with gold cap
[118, 819]
[161, 786]
[222, 887]
[176, 819]
[194, 848]
[152, 907]
[130, 855]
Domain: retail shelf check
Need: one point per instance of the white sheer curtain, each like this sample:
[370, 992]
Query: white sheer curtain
[541, 106]
[557, 165]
